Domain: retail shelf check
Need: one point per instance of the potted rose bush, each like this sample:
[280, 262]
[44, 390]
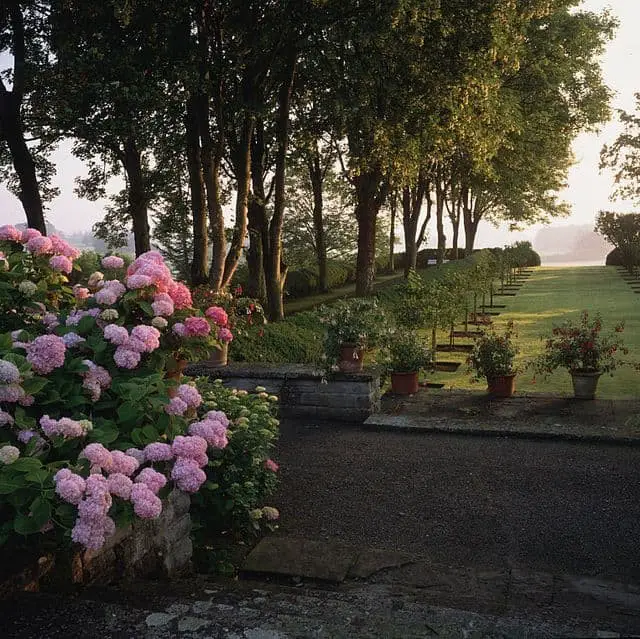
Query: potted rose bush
[584, 350]
[493, 358]
[94, 433]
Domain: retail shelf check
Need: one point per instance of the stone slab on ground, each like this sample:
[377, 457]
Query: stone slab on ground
[293, 557]
[529, 416]
[226, 609]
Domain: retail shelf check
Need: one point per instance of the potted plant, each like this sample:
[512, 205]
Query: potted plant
[352, 326]
[493, 357]
[407, 355]
[584, 350]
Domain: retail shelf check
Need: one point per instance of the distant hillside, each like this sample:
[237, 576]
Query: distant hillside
[571, 243]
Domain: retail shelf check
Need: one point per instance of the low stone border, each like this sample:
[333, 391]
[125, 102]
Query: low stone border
[304, 390]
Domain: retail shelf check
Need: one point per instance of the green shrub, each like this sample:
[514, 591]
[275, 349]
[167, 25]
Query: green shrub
[277, 343]
[243, 475]
[301, 283]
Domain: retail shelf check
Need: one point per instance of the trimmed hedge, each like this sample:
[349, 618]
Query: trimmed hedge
[278, 343]
[615, 258]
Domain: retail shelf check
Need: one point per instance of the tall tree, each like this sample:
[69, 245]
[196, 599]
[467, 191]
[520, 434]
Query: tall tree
[23, 41]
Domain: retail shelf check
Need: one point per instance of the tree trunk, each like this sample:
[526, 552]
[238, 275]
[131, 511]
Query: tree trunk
[393, 205]
[316, 179]
[12, 132]
[198, 198]
[412, 200]
[256, 286]
[137, 196]
[442, 238]
[455, 221]
[371, 190]
[472, 218]
[275, 270]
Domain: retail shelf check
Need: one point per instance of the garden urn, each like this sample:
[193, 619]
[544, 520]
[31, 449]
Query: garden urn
[404, 383]
[584, 384]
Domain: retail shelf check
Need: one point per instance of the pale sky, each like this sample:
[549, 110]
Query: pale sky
[588, 190]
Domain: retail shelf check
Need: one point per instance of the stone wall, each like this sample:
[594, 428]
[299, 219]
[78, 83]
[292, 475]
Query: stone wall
[158, 548]
[303, 390]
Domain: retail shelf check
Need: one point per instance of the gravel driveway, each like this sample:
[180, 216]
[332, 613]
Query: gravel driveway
[560, 507]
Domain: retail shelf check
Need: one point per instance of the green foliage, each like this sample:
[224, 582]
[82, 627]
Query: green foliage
[277, 343]
[239, 478]
[406, 352]
[623, 231]
[494, 354]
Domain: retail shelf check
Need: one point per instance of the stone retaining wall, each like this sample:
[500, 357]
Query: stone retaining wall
[147, 548]
[303, 390]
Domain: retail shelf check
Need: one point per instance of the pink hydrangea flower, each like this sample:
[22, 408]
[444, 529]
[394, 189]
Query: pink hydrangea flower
[269, 464]
[162, 305]
[112, 261]
[187, 475]
[11, 393]
[197, 326]
[61, 264]
[106, 296]
[136, 454]
[225, 335]
[123, 463]
[61, 247]
[69, 486]
[218, 415]
[158, 452]
[176, 406]
[40, 245]
[120, 485]
[138, 281]
[27, 400]
[190, 446]
[9, 373]
[181, 295]
[148, 336]
[96, 379]
[126, 358]
[179, 329]
[213, 432]
[189, 395]
[218, 315]
[145, 504]
[80, 292]
[117, 335]
[10, 233]
[152, 479]
[46, 353]
[25, 436]
[29, 234]
[98, 455]
[5, 418]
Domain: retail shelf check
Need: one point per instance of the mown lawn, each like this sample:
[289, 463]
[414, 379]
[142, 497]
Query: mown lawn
[550, 296]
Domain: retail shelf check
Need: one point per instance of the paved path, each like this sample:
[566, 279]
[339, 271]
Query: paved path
[468, 502]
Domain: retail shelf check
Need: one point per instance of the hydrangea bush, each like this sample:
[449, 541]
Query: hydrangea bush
[93, 430]
[241, 475]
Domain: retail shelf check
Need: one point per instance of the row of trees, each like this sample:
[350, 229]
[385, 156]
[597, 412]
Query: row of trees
[464, 109]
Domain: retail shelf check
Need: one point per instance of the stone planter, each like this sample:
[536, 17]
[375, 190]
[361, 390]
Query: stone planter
[219, 356]
[351, 358]
[404, 383]
[501, 386]
[584, 384]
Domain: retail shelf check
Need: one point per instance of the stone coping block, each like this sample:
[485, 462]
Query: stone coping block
[275, 371]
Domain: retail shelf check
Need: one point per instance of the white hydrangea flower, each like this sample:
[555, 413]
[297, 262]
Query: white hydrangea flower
[9, 454]
[27, 288]
[95, 278]
[159, 322]
[109, 315]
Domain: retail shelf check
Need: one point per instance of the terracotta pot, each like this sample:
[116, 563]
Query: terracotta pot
[404, 383]
[219, 356]
[351, 358]
[502, 386]
[584, 384]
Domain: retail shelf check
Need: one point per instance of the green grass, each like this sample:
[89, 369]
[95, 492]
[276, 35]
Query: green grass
[549, 297]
